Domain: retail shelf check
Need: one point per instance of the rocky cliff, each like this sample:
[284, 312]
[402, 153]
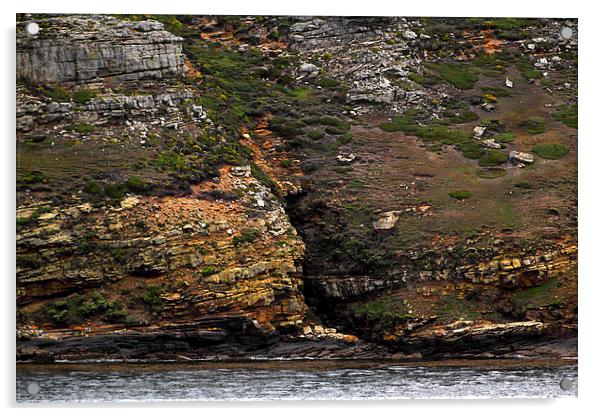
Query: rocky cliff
[86, 49]
[302, 187]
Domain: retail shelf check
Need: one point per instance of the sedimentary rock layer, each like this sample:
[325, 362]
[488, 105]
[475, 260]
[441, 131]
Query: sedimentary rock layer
[85, 48]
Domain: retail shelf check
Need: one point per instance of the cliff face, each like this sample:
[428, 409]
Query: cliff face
[238, 189]
[194, 250]
[216, 259]
[74, 49]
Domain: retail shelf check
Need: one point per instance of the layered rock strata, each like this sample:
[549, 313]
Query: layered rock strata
[82, 49]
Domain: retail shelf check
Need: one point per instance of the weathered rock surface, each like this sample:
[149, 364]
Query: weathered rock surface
[84, 247]
[162, 108]
[365, 53]
[386, 221]
[83, 49]
[499, 271]
[521, 157]
[480, 339]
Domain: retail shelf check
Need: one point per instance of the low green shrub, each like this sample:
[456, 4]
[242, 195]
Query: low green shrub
[492, 157]
[461, 194]
[93, 188]
[28, 261]
[461, 117]
[208, 271]
[496, 91]
[383, 313]
[80, 128]
[151, 298]
[76, 309]
[334, 130]
[115, 190]
[345, 138]
[523, 185]
[83, 96]
[430, 133]
[328, 83]
[525, 66]
[136, 184]
[470, 150]
[316, 134]
[550, 150]
[55, 93]
[506, 137]
[246, 236]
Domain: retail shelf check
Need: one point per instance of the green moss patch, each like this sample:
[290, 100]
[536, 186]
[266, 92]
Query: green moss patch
[533, 125]
[83, 96]
[567, 114]
[470, 150]
[451, 308]
[492, 157]
[545, 294]
[431, 132]
[550, 150]
[460, 75]
[505, 137]
[383, 313]
[525, 66]
[80, 128]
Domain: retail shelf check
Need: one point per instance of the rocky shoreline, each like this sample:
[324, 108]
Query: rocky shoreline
[240, 339]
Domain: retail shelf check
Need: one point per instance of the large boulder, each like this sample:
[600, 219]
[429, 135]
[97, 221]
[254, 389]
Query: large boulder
[386, 221]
